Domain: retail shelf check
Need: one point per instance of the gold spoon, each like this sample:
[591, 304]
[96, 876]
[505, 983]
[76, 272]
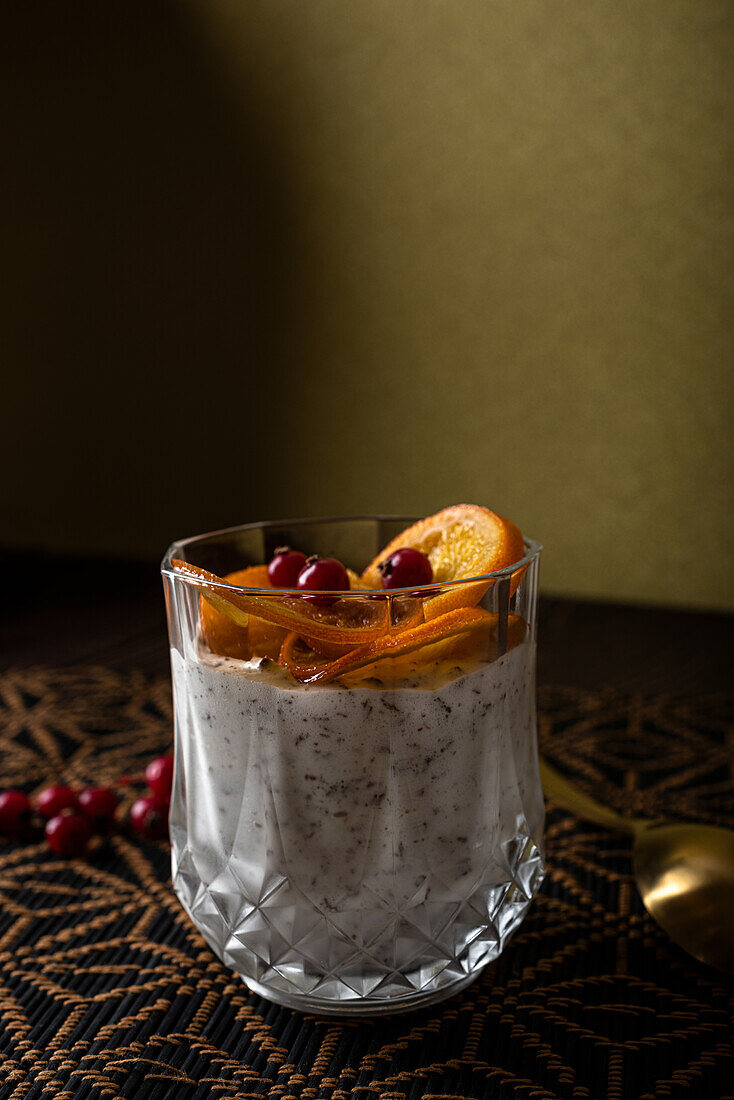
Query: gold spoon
[685, 873]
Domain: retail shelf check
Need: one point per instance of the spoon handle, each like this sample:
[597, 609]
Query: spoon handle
[569, 797]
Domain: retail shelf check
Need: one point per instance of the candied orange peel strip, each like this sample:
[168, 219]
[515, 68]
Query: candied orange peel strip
[348, 622]
[463, 541]
[477, 645]
[405, 613]
[310, 671]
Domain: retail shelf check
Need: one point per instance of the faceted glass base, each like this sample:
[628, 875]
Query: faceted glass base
[371, 955]
[407, 1003]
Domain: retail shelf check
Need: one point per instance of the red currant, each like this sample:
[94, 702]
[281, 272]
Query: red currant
[159, 776]
[15, 812]
[52, 800]
[284, 568]
[149, 816]
[404, 568]
[68, 833]
[325, 574]
[99, 805]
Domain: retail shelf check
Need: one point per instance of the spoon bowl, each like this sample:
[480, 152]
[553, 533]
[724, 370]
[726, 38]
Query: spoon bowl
[684, 873]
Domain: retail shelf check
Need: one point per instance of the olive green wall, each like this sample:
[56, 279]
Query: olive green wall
[277, 257]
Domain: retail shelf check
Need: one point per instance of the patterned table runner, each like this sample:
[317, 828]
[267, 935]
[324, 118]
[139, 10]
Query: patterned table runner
[107, 990]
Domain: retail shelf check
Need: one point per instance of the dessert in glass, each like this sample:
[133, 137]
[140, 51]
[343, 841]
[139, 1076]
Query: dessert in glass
[357, 814]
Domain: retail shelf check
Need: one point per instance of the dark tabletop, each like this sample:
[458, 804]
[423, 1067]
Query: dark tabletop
[107, 989]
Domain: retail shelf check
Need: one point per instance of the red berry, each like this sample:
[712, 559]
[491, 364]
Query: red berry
[52, 800]
[99, 805]
[15, 812]
[323, 574]
[404, 568]
[68, 833]
[159, 776]
[149, 816]
[284, 568]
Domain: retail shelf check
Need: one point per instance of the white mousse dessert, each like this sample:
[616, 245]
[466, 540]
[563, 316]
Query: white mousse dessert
[368, 805]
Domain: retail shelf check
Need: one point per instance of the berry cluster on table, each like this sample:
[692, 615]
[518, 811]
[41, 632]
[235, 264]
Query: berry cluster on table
[72, 817]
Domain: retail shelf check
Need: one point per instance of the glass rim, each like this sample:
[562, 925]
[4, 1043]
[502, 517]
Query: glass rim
[533, 549]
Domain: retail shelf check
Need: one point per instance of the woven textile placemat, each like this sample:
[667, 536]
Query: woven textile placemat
[107, 989]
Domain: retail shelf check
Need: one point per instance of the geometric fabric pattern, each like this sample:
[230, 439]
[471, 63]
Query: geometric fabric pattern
[108, 990]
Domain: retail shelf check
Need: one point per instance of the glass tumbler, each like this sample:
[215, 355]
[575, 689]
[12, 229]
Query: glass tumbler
[364, 843]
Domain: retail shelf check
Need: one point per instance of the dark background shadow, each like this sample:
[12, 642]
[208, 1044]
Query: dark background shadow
[151, 256]
[268, 259]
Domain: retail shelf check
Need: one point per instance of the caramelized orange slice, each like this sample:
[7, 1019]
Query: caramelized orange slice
[228, 639]
[219, 631]
[347, 622]
[265, 639]
[308, 668]
[463, 541]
